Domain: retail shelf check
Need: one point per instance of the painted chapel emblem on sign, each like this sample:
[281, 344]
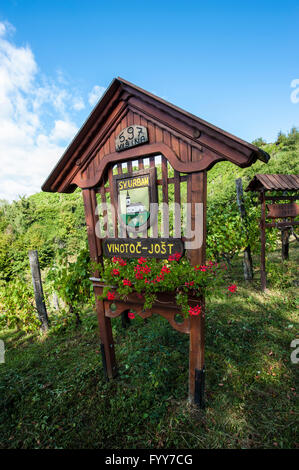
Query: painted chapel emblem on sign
[135, 192]
[131, 137]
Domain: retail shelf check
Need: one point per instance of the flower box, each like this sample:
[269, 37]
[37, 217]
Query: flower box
[165, 305]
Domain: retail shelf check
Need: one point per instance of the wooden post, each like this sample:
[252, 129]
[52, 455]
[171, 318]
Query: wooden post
[95, 248]
[263, 241]
[38, 289]
[107, 343]
[197, 331]
[247, 258]
[285, 236]
[55, 301]
[125, 320]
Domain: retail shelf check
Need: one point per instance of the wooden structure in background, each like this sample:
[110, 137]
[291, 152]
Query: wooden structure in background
[179, 140]
[282, 215]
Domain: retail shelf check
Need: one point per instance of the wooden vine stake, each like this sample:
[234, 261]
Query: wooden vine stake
[38, 289]
[247, 258]
[133, 141]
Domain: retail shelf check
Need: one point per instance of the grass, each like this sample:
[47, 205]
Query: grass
[53, 393]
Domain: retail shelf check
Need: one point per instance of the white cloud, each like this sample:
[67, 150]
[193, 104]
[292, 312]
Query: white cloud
[78, 104]
[6, 28]
[2, 29]
[35, 120]
[95, 94]
[63, 130]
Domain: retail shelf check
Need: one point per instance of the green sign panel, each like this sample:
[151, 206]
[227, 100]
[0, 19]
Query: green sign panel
[135, 191]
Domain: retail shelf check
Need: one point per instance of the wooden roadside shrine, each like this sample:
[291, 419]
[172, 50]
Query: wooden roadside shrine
[282, 215]
[130, 127]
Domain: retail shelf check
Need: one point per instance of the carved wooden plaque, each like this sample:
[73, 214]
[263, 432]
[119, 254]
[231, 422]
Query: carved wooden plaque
[131, 137]
[279, 211]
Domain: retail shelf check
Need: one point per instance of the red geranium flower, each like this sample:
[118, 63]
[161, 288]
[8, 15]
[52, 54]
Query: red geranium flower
[201, 268]
[141, 260]
[145, 269]
[195, 310]
[127, 282]
[232, 288]
[165, 269]
[139, 275]
[110, 295]
[131, 315]
[120, 261]
[115, 272]
[174, 257]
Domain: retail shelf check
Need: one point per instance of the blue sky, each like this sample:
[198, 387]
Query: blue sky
[231, 63]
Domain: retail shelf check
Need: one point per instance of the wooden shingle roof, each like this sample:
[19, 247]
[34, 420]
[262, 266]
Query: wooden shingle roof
[274, 183]
[189, 143]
